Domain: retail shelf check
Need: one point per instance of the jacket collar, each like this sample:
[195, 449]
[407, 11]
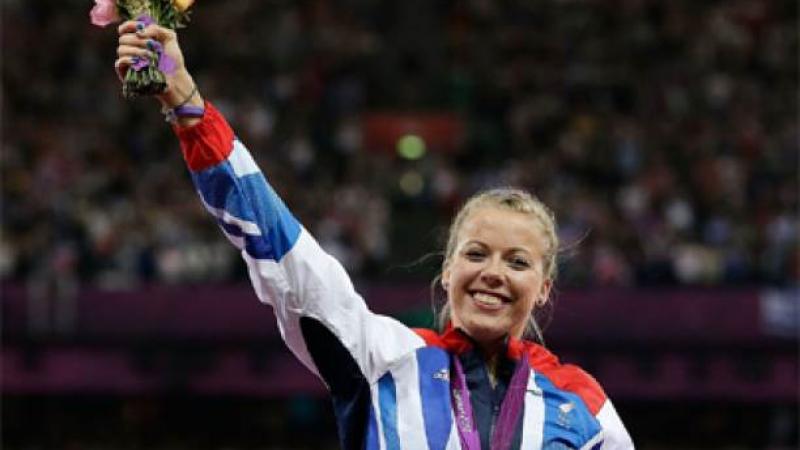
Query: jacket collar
[456, 341]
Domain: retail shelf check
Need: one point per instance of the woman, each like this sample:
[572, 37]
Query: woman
[476, 385]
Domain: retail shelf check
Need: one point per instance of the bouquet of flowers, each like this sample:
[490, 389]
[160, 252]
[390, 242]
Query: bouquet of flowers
[146, 75]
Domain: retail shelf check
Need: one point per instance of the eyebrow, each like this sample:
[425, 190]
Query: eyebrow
[511, 250]
[473, 242]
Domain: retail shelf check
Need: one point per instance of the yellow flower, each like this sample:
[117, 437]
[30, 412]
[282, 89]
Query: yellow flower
[182, 5]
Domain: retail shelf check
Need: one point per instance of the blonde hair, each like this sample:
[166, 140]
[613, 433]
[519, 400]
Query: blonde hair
[516, 200]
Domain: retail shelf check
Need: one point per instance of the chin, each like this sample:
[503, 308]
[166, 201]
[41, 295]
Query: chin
[485, 333]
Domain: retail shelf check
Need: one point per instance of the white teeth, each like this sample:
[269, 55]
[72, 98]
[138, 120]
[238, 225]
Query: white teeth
[487, 298]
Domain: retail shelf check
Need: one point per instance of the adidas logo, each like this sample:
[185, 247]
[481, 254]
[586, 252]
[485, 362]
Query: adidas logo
[443, 374]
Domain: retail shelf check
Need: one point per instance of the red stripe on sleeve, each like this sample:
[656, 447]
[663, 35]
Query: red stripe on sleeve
[207, 143]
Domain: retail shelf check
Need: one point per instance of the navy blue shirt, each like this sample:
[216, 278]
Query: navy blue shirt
[486, 401]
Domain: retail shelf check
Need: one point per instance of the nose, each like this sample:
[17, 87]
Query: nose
[492, 273]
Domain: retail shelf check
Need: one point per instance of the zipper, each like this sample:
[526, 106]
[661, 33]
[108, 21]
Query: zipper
[495, 413]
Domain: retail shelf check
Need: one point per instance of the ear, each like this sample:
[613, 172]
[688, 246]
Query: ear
[544, 293]
[445, 278]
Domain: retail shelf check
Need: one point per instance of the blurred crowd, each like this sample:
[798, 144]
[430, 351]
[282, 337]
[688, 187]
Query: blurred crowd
[664, 135]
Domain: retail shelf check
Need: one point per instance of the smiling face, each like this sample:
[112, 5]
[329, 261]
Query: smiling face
[495, 275]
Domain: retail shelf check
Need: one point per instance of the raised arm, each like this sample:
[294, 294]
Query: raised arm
[137, 41]
[321, 317]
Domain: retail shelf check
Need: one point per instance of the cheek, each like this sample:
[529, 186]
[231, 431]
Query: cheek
[528, 291]
[456, 291]
[458, 278]
[524, 307]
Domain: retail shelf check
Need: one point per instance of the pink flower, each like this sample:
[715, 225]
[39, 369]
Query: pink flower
[104, 12]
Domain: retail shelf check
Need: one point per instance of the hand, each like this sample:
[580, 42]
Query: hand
[133, 43]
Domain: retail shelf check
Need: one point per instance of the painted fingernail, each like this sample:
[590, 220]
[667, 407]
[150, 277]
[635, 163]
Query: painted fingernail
[135, 60]
[139, 26]
[151, 44]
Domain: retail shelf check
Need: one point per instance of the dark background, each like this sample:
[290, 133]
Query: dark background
[664, 135]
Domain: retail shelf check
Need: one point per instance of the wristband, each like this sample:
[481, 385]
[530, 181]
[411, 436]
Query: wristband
[189, 111]
[183, 110]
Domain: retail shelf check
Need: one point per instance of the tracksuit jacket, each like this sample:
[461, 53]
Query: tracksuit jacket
[390, 384]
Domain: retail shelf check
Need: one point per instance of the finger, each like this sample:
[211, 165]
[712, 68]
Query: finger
[158, 33]
[132, 40]
[122, 64]
[127, 27]
[130, 50]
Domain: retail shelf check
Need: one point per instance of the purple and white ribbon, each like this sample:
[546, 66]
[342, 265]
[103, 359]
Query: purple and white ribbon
[510, 410]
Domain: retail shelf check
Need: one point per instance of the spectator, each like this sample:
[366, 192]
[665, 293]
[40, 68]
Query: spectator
[670, 155]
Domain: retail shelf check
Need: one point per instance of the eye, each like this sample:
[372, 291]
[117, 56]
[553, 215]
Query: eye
[519, 263]
[474, 254]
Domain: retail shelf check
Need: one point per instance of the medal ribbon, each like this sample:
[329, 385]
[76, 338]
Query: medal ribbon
[510, 410]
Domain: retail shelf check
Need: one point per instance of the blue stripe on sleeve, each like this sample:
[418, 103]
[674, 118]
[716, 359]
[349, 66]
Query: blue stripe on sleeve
[249, 199]
[434, 390]
[373, 443]
[387, 397]
[567, 419]
[231, 229]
